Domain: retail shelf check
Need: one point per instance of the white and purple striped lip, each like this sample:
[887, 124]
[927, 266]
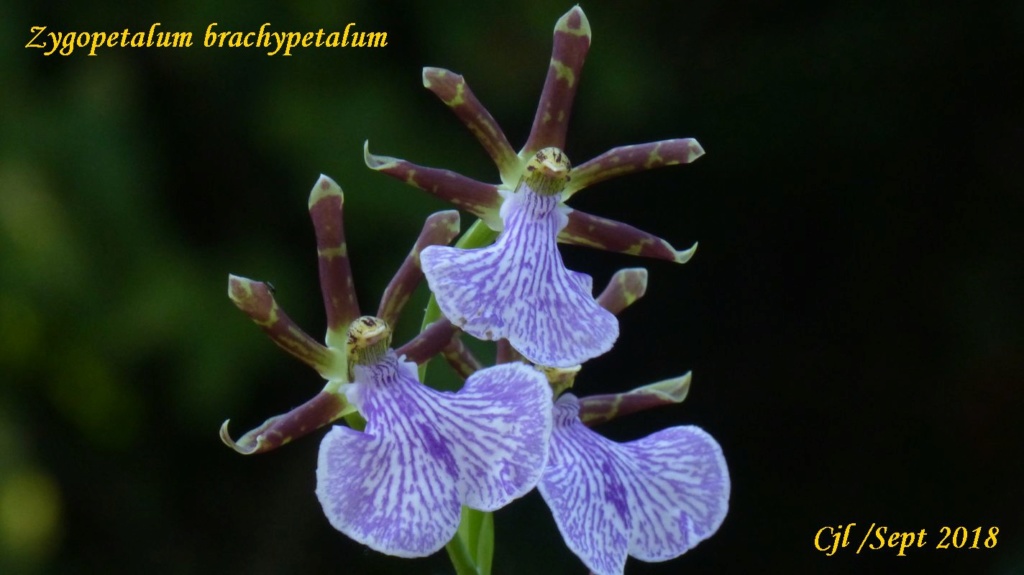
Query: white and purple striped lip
[399, 485]
[518, 288]
[652, 499]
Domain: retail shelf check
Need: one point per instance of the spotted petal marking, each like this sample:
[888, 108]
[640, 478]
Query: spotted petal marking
[653, 498]
[398, 486]
[519, 289]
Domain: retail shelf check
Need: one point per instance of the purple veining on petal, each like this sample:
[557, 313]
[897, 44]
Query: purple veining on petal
[518, 288]
[653, 498]
[398, 486]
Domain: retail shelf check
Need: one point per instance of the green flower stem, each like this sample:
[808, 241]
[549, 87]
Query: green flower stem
[483, 526]
[459, 553]
[472, 548]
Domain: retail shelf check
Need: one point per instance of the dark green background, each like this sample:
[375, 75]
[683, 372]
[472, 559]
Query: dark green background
[853, 317]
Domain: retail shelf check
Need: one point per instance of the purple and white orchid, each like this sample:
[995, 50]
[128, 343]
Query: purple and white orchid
[398, 486]
[518, 288]
[523, 291]
[416, 468]
[653, 499]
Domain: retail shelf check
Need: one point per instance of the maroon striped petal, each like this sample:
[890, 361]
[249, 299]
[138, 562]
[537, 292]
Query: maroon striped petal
[429, 342]
[630, 159]
[593, 231]
[480, 199]
[597, 409]
[461, 358]
[571, 43]
[324, 408]
[257, 301]
[439, 229]
[625, 287]
[326, 205]
[452, 89]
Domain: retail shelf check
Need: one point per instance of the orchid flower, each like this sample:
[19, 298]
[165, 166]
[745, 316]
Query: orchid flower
[571, 43]
[417, 468]
[399, 485]
[519, 289]
[332, 359]
[653, 499]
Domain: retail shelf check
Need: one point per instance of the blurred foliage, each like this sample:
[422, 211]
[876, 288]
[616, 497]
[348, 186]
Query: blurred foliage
[853, 316]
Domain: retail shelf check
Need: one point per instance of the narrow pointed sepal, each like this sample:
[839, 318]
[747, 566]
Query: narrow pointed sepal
[326, 206]
[653, 499]
[429, 342]
[635, 158]
[452, 89]
[398, 486]
[480, 199]
[323, 409]
[597, 409]
[439, 229]
[257, 301]
[519, 289]
[625, 287]
[596, 232]
[571, 43]
[461, 358]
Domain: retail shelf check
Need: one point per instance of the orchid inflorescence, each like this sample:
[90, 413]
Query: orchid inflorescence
[417, 469]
